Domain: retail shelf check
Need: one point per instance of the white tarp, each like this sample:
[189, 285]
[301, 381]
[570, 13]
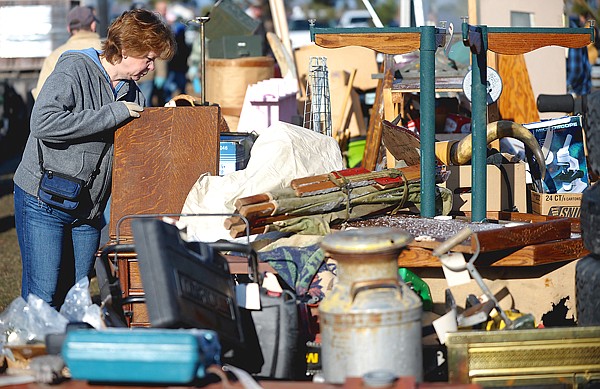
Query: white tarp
[281, 153]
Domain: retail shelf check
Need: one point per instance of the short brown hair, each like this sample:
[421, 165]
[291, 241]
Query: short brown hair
[139, 32]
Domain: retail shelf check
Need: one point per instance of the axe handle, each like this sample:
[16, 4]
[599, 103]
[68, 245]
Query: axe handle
[255, 211]
[254, 199]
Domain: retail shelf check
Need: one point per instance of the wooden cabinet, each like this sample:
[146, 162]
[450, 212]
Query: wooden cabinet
[158, 158]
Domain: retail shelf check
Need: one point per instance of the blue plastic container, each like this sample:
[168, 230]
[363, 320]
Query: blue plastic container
[143, 355]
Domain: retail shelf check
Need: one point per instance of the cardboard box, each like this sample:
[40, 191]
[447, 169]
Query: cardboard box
[234, 151]
[228, 157]
[562, 143]
[506, 187]
[556, 204]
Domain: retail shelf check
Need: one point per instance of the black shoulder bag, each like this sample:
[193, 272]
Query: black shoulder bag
[61, 190]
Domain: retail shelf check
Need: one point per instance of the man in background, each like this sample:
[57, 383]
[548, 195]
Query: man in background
[81, 24]
[579, 68]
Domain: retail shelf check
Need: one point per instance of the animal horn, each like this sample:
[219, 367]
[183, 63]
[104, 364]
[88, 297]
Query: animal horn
[460, 152]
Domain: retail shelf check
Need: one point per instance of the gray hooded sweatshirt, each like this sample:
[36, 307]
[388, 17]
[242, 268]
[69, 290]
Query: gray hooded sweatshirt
[75, 116]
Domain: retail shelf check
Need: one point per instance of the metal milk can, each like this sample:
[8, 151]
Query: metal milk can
[371, 320]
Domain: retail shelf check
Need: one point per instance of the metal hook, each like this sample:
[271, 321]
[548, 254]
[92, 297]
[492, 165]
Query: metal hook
[449, 41]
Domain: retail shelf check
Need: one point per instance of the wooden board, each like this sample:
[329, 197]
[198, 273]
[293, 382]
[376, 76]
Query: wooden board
[510, 237]
[510, 43]
[528, 218]
[546, 252]
[531, 255]
[494, 235]
[158, 158]
[517, 101]
[386, 43]
[402, 143]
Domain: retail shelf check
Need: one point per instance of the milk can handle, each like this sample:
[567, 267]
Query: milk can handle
[361, 286]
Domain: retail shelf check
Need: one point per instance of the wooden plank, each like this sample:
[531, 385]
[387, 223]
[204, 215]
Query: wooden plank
[531, 255]
[387, 43]
[527, 218]
[543, 253]
[521, 43]
[254, 199]
[517, 102]
[402, 143]
[510, 237]
[255, 211]
[430, 233]
[373, 141]
[238, 231]
[158, 158]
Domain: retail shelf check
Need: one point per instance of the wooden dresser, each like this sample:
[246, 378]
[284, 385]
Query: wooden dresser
[158, 158]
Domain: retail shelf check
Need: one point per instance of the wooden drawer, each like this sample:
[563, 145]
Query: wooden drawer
[132, 286]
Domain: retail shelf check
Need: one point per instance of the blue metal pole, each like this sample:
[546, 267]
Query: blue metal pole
[427, 102]
[479, 130]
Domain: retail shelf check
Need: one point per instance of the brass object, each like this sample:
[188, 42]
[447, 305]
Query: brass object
[561, 357]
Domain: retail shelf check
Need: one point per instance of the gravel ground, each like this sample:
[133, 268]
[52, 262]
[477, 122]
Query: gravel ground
[10, 258]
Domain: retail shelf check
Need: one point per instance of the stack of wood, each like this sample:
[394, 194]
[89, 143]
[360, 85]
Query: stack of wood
[350, 194]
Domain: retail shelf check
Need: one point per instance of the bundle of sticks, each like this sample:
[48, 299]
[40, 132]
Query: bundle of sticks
[346, 194]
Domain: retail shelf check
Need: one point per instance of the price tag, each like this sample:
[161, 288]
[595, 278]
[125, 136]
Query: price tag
[248, 296]
[455, 261]
[445, 324]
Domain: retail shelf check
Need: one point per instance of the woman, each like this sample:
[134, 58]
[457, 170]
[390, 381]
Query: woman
[83, 102]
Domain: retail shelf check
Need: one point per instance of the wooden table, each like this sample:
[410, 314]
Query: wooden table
[533, 266]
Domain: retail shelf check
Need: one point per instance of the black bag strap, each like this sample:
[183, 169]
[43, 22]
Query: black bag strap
[94, 173]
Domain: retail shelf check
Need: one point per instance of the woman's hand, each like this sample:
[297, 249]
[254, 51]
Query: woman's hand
[134, 109]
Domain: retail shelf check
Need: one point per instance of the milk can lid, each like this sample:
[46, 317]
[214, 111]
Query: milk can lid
[366, 239]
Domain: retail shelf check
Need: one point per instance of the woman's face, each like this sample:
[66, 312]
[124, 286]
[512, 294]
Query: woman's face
[134, 68]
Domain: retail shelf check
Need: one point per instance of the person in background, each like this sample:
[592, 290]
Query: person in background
[256, 11]
[177, 67]
[81, 24]
[579, 68]
[84, 101]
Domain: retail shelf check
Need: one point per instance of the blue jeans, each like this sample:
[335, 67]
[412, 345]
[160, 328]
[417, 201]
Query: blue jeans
[57, 249]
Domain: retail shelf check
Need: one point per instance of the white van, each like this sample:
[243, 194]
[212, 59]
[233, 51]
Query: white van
[356, 18]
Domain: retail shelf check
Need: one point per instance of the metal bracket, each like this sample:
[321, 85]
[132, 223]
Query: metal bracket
[472, 37]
